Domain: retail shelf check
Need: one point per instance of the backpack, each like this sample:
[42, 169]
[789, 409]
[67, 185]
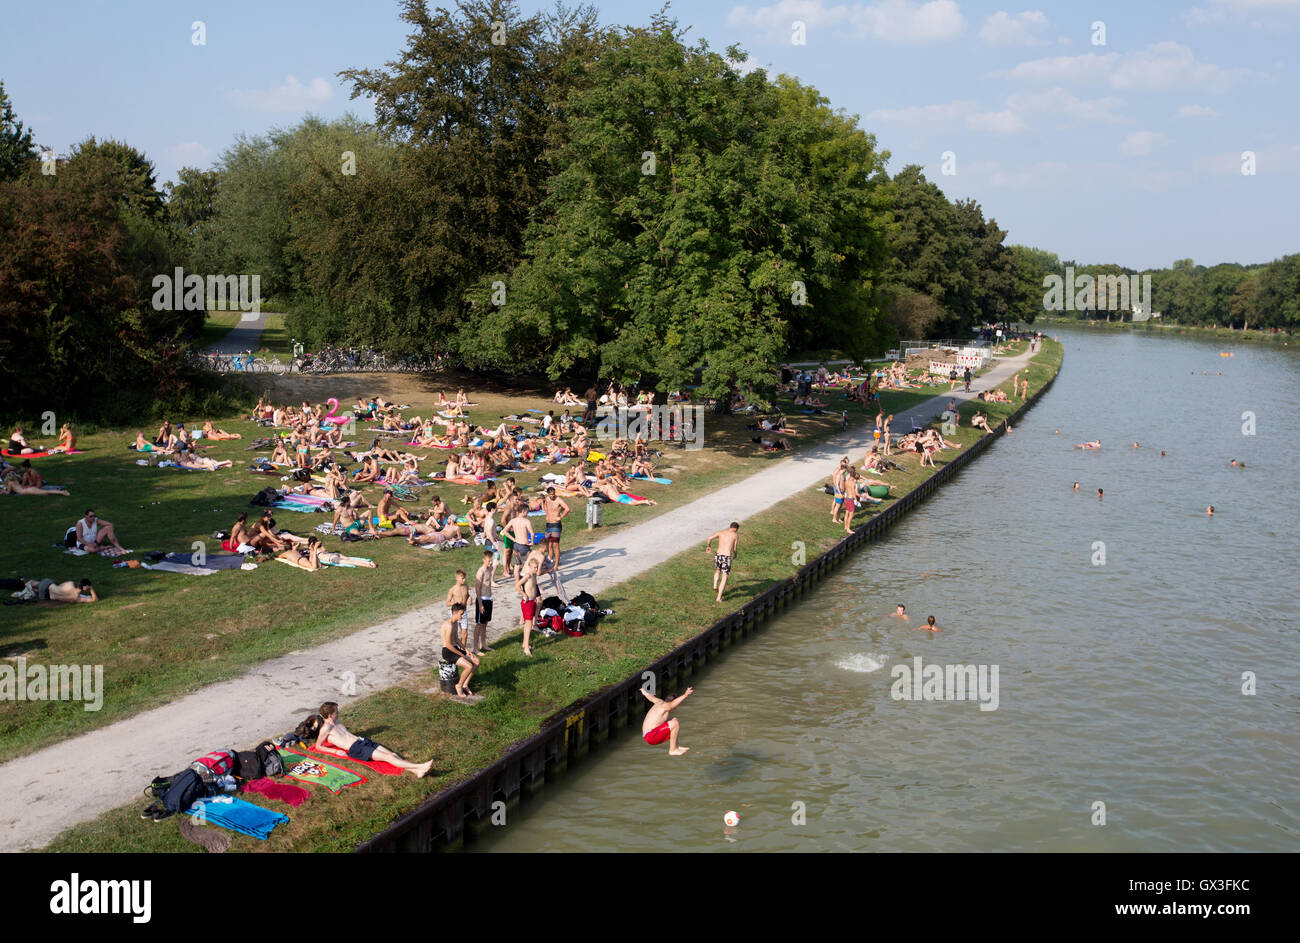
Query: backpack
[212, 766]
[301, 475]
[70, 536]
[272, 762]
[266, 497]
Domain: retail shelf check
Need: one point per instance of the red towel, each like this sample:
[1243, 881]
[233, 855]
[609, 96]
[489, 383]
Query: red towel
[379, 766]
[294, 795]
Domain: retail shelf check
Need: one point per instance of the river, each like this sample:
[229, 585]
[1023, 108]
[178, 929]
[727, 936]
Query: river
[1119, 677]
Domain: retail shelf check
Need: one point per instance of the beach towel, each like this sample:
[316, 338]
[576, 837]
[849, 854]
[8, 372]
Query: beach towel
[7, 454]
[109, 552]
[311, 768]
[186, 569]
[379, 766]
[662, 481]
[237, 815]
[297, 506]
[333, 530]
[224, 561]
[628, 498]
[294, 795]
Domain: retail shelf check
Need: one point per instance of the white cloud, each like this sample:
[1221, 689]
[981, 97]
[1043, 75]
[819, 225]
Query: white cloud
[1019, 111]
[291, 96]
[1159, 66]
[894, 21]
[1198, 111]
[999, 122]
[1142, 143]
[1023, 29]
[924, 118]
[189, 154]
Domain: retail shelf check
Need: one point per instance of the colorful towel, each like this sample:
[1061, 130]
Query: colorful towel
[237, 815]
[379, 766]
[109, 552]
[7, 454]
[310, 768]
[628, 498]
[662, 481]
[294, 795]
[297, 506]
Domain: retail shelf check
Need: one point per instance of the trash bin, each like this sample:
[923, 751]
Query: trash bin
[593, 513]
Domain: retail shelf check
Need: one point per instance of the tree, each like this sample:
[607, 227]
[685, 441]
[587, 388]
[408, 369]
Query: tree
[16, 148]
[1031, 266]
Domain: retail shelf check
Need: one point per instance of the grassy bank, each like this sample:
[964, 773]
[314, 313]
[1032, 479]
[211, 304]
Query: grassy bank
[160, 635]
[520, 692]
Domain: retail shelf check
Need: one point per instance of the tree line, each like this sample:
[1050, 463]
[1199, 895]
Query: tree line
[537, 195]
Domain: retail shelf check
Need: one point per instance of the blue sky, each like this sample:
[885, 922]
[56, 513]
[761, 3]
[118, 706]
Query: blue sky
[1128, 152]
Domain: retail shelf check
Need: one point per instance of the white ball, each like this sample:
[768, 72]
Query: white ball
[731, 818]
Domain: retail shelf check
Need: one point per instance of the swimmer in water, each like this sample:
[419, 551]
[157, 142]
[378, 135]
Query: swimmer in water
[1135, 445]
[1233, 463]
[1209, 512]
[900, 612]
[1162, 453]
[1057, 432]
[658, 726]
[1098, 494]
[929, 625]
[1094, 444]
[1076, 486]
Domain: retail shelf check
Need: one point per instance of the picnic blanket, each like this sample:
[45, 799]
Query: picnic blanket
[7, 454]
[311, 768]
[237, 815]
[107, 552]
[223, 561]
[379, 766]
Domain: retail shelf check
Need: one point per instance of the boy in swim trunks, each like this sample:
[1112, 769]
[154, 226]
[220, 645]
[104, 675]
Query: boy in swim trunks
[335, 739]
[458, 596]
[556, 510]
[455, 654]
[728, 543]
[658, 726]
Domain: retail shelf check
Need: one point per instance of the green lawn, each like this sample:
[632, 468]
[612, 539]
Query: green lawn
[161, 634]
[520, 692]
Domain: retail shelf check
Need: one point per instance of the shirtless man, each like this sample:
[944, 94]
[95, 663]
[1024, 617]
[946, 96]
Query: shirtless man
[518, 533]
[390, 512]
[556, 510]
[728, 543]
[96, 536]
[454, 653]
[67, 591]
[837, 486]
[482, 602]
[658, 726]
[1094, 444]
[335, 739]
[900, 612]
[458, 598]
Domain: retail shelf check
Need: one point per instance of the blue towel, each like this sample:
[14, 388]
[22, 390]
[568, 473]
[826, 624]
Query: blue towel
[295, 506]
[238, 816]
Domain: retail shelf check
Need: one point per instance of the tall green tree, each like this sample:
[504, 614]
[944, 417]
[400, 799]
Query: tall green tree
[16, 147]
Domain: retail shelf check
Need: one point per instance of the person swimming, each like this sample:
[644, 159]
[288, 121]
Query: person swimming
[1094, 444]
[1076, 486]
[900, 612]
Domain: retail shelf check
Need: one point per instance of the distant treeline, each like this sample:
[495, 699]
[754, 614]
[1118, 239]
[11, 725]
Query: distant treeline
[537, 194]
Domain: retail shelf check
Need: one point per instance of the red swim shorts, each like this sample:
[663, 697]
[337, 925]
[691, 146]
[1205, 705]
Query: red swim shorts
[529, 609]
[658, 735]
[228, 545]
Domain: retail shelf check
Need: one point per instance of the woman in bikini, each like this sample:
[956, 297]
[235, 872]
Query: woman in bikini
[307, 561]
[67, 441]
[335, 739]
[218, 435]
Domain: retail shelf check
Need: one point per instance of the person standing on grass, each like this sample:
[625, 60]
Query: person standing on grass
[850, 499]
[458, 597]
[658, 726]
[482, 603]
[528, 604]
[728, 545]
[837, 486]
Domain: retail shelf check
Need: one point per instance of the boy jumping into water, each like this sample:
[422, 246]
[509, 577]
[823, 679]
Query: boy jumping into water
[728, 542]
[658, 726]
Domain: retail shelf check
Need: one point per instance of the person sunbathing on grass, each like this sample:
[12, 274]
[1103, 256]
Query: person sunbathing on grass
[67, 441]
[13, 486]
[308, 559]
[30, 476]
[611, 491]
[18, 444]
[336, 740]
[95, 535]
[350, 517]
[980, 421]
[218, 435]
[238, 542]
[187, 459]
[433, 530]
[142, 444]
[575, 479]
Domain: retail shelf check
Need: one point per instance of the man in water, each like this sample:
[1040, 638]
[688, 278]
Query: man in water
[1099, 494]
[658, 726]
[1076, 486]
[1210, 511]
[728, 543]
[900, 612]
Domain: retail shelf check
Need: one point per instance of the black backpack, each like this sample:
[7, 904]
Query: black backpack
[263, 761]
[266, 497]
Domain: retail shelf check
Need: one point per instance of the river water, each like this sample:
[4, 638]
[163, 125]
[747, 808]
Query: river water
[1119, 683]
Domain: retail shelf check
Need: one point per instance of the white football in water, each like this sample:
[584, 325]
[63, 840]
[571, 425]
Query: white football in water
[731, 818]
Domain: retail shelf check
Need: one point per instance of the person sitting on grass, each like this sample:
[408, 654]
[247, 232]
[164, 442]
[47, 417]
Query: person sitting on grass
[454, 651]
[335, 739]
[95, 535]
[980, 421]
[369, 470]
[262, 535]
[67, 440]
[238, 541]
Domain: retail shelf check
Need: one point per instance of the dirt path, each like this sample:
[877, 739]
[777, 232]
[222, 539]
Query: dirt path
[80, 778]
